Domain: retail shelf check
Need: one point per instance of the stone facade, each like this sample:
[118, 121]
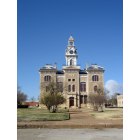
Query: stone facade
[120, 100]
[77, 83]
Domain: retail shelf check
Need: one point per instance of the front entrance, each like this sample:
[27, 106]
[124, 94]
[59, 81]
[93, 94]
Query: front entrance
[71, 101]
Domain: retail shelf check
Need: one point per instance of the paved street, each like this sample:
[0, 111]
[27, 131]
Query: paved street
[70, 134]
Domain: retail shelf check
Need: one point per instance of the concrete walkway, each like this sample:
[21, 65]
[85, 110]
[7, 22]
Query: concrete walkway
[78, 119]
[70, 134]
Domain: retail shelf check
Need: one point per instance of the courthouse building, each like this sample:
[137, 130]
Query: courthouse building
[77, 83]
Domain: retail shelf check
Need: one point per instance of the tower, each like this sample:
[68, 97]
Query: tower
[71, 53]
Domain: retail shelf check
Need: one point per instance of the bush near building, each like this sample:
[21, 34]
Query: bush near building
[52, 97]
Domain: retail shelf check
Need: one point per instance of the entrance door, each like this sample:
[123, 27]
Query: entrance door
[71, 101]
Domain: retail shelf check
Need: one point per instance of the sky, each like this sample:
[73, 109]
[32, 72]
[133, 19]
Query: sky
[43, 29]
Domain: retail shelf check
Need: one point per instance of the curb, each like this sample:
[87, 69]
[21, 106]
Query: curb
[96, 126]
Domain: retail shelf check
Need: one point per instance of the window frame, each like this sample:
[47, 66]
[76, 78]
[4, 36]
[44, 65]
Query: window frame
[83, 86]
[47, 78]
[95, 78]
[69, 88]
[73, 88]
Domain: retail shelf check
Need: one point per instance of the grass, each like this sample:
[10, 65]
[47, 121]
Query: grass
[37, 114]
[109, 113]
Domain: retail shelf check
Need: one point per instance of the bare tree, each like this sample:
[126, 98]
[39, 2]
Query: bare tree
[113, 99]
[32, 99]
[21, 96]
[97, 99]
[53, 96]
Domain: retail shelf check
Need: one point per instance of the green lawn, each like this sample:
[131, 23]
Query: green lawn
[109, 113]
[37, 114]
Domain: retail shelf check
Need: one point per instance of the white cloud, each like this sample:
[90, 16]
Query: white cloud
[113, 87]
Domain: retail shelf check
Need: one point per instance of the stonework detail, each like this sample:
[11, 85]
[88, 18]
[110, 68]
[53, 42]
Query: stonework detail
[77, 83]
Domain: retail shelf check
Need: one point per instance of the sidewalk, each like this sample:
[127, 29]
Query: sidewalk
[78, 119]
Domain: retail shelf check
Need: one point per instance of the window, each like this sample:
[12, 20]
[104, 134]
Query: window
[95, 78]
[83, 86]
[69, 88]
[69, 79]
[73, 88]
[71, 62]
[47, 78]
[95, 88]
[73, 79]
[60, 86]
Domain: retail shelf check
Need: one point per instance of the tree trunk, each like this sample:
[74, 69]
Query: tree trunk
[95, 108]
[100, 108]
[53, 109]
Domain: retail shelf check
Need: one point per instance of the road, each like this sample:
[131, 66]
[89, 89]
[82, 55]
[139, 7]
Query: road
[70, 134]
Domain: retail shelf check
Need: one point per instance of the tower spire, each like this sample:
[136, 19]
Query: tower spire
[71, 41]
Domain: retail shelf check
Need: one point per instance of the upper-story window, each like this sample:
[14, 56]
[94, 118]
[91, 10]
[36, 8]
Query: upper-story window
[83, 86]
[95, 78]
[69, 79]
[73, 79]
[73, 88]
[69, 88]
[47, 78]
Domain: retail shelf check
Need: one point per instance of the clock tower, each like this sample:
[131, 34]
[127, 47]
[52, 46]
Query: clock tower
[71, 53]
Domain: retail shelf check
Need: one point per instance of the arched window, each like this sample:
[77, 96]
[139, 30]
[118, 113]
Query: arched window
[47, 78]
[73, 88]
[95, 88]
[71, 62]
[69, 88]
[95, 78]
